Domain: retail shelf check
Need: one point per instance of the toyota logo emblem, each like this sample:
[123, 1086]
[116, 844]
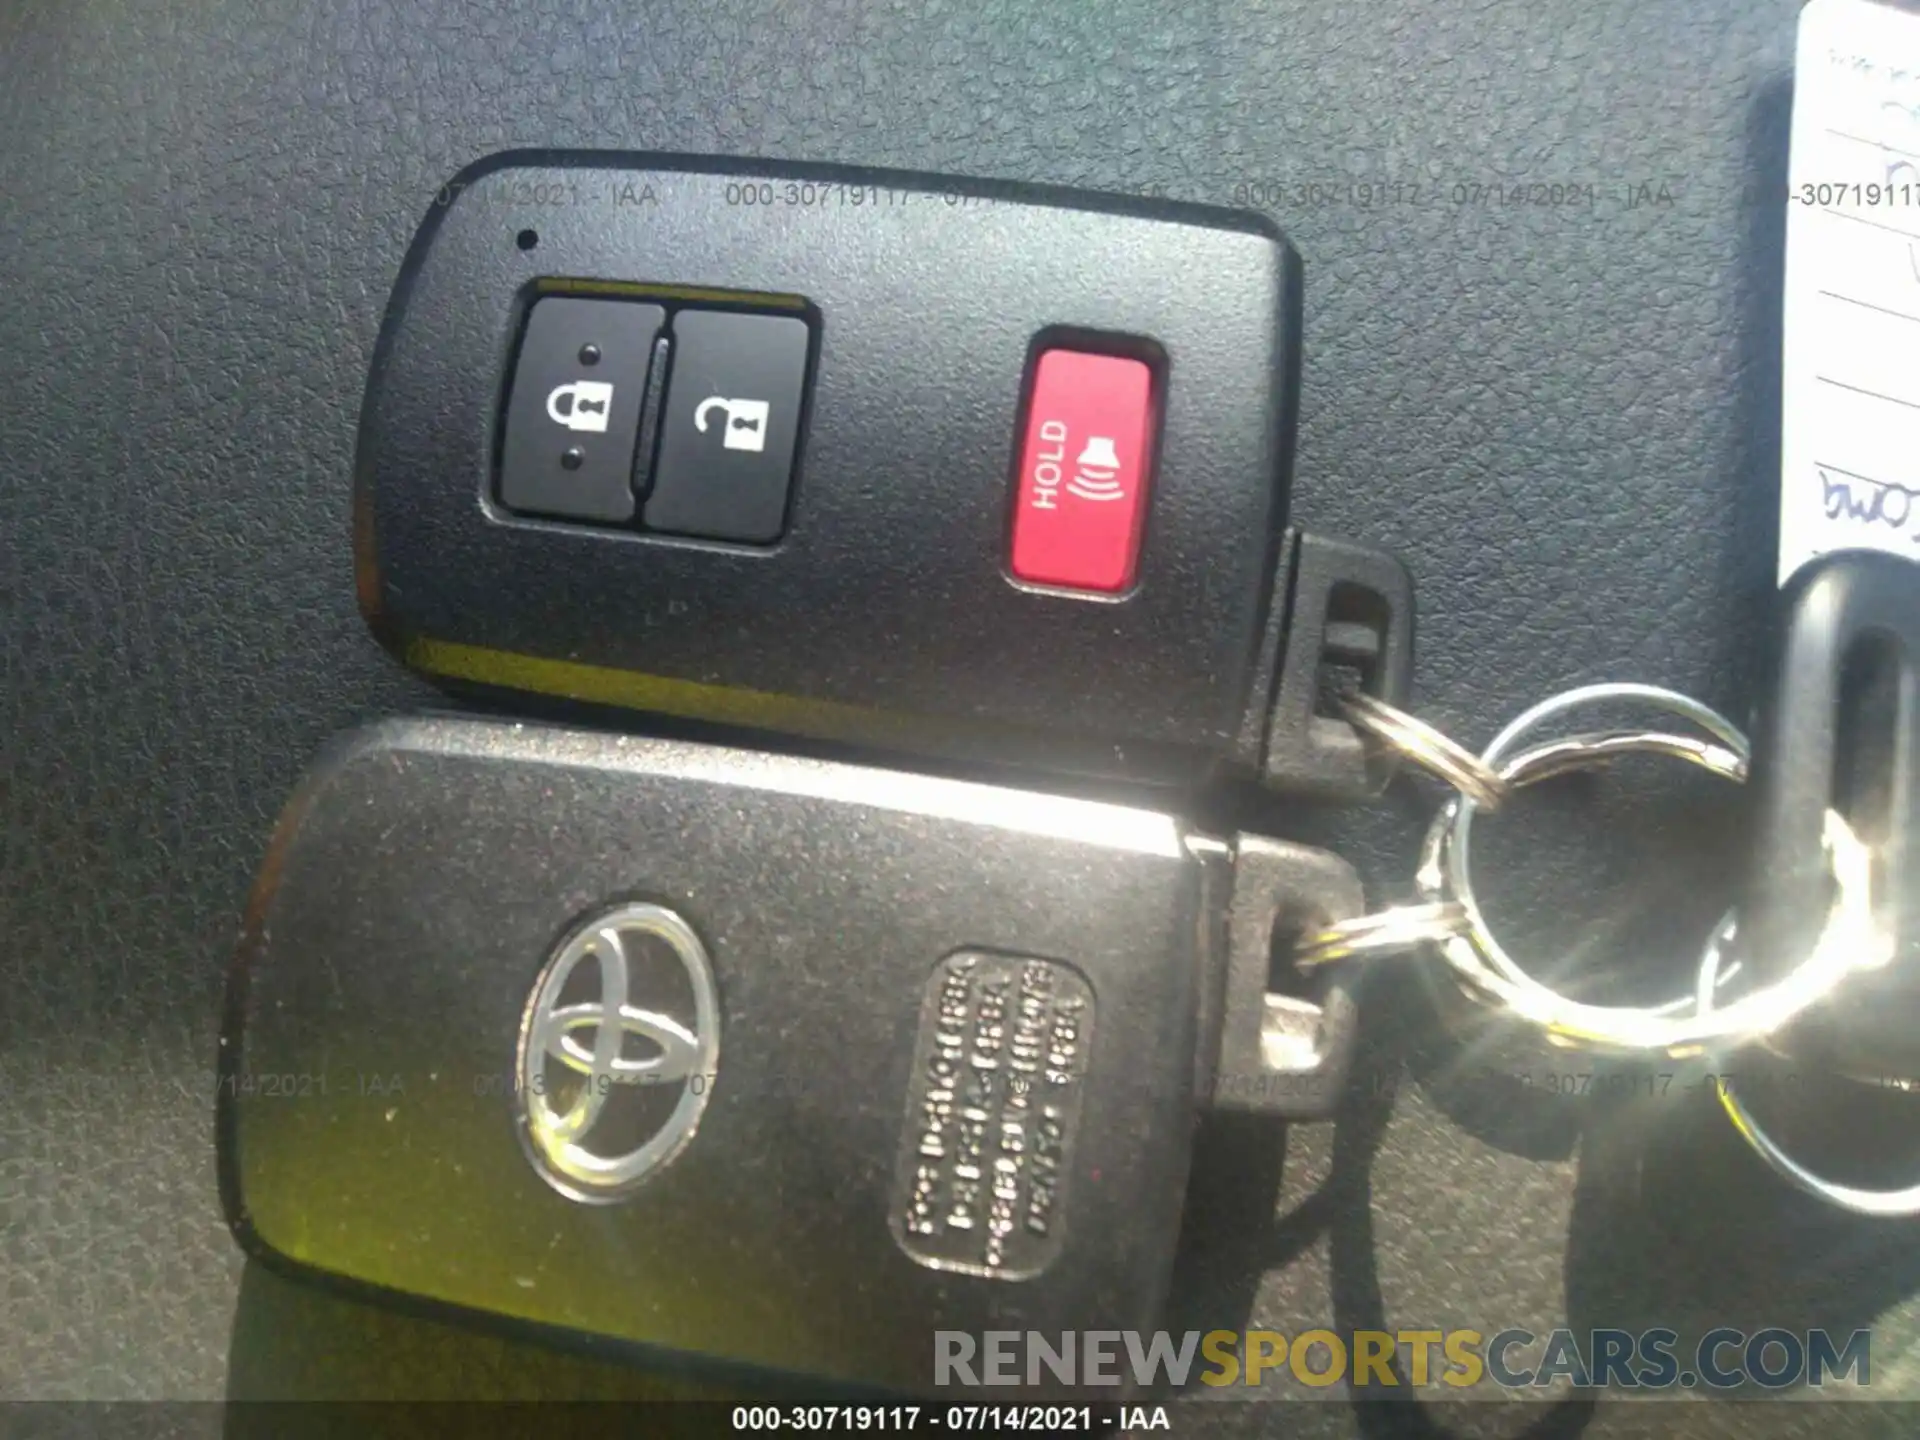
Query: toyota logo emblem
[617, 1052]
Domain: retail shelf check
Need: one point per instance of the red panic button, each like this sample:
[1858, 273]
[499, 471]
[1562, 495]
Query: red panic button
[1083, 472]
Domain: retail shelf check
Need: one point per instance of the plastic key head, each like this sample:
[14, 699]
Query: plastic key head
[1843, 732]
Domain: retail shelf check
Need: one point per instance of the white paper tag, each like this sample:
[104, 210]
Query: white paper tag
[1850, 443]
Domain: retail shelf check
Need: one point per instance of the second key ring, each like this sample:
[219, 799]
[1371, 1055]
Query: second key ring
[1679, 1027]
[1447, 858]
[1431, 749]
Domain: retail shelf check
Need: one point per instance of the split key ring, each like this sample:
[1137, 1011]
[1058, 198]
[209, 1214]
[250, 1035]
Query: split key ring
[1449, 915]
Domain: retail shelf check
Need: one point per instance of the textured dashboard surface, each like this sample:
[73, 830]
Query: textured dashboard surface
[1561, 416]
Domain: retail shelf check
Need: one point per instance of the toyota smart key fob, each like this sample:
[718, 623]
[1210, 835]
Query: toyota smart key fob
[939, 466]
[783, 1062]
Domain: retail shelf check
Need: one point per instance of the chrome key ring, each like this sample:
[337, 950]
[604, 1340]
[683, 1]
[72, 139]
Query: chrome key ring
[1384, 932]
[1678, 1027]
[1449, 916]
[1446, 856]
[1431, 749]
[1440, 916]
[1884, 1204]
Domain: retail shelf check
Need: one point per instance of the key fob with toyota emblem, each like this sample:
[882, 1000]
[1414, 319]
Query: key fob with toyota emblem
[939, 466]
[772, 1060]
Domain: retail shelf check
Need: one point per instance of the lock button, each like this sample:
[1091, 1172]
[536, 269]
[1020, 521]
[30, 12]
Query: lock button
[573, 413]
[729, 427]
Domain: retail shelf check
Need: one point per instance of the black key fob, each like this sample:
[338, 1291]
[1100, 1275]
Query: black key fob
[795, 1064]
[944, 466]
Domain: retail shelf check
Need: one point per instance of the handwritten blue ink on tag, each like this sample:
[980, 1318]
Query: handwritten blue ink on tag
[1850, 440]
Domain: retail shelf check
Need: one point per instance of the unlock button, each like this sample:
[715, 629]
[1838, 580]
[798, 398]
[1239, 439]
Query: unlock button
[730, 426]
[573, 412]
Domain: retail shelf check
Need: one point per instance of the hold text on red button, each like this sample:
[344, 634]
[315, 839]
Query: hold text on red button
[1083, 479]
